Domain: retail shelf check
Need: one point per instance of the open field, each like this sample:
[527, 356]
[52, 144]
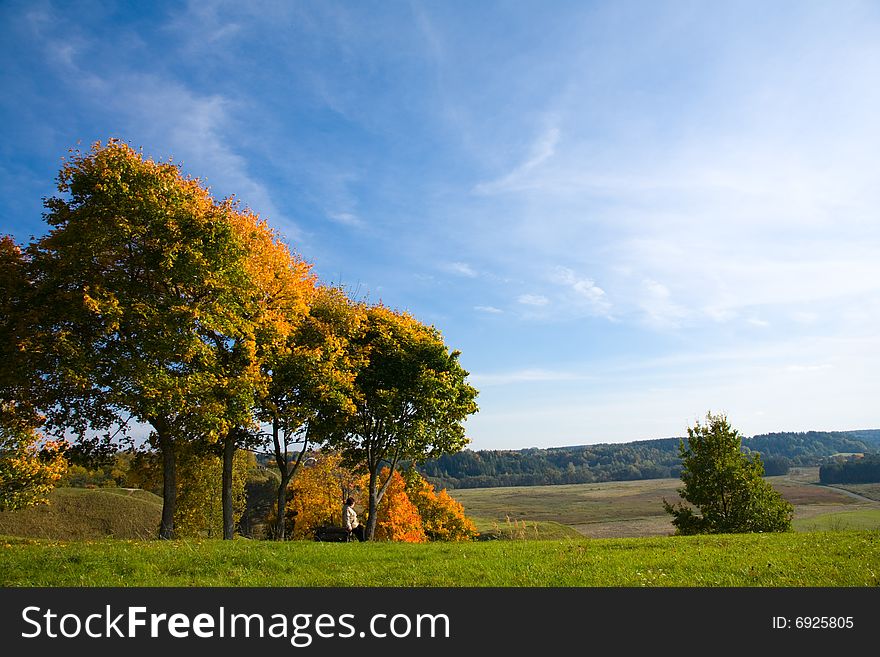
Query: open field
[836, 543]
[867, 519]
[844, 558]
[634, 508]
[871, 491]
[626, 509]
[82, 513]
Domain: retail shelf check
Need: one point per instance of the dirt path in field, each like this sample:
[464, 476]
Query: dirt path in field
[815, 484]
[861, 498]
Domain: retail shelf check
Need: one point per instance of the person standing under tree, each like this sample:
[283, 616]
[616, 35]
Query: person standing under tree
[350, 520]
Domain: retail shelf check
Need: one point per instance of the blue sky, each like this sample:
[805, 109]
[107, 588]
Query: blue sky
[624, 214]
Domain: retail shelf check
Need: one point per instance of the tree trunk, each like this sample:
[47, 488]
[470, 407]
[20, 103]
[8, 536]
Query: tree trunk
[169, 480]
[373, 506]
[226, 497]
[377, 492]
[287, 470]
[281, 508]
[284, 471]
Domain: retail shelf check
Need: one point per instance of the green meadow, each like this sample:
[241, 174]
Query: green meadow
[842, 558]
[608, 534]
[633, 509]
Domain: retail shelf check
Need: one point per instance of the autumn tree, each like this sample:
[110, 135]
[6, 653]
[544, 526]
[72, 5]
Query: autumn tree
[200, 508]
[316, 494]
[28, 470]
[139, 274]
[397, 518]
[275, 302]
[18, 386]
[410, 399]
[309, 379]
[724, 488]
[443, 517]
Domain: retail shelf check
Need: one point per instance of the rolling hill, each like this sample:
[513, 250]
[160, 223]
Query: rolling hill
[85, 514]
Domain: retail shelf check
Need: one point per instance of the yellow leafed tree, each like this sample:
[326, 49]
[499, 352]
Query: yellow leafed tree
[27, 472]
[316, 494]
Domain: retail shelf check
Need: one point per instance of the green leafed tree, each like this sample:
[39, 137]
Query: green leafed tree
[410, 399]
[140, 275]
[723, 487]
[309, 378]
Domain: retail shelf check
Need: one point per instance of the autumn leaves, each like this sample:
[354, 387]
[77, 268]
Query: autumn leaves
[150, 301]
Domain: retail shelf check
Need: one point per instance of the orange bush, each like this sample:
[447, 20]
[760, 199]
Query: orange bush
[398, 518]
[443, 518]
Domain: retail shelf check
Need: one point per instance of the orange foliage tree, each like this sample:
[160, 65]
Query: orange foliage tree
[397, 519]
[410, 510]
[443, 517]
[316, 494]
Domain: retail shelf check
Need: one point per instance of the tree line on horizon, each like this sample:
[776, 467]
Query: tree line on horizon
[858, 469]
[647, 459]
[148, 301]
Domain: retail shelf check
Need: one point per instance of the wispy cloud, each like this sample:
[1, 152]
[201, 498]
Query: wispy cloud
[492, 310]
[171, 118]
[346, 219]
[203, 24]
[658, 308]
[527, 376]
[543, 148]
[537, 300]
[460, 269]
[200, 130]
[585, 290]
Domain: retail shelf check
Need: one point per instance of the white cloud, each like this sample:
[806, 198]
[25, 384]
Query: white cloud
[533, 300]
[198, 130]
[461, 269]
[492, 310]
[521, 177]
[808, 368]
[762, 389]
[527, 376]
[658, 308]
[346, 219]
[203, 24]
[585, 290]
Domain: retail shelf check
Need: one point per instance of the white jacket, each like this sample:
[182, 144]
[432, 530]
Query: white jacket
[349, 517]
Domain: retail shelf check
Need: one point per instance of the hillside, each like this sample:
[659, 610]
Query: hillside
[85, 514]
[647, 459]
[619, 509]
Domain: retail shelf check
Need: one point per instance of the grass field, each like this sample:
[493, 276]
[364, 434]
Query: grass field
[634, 508]
[844, 558]
[871, 491]
[836, 543]
[81, 513]
[867, 519]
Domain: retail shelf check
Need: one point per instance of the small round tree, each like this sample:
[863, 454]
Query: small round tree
[724, 487]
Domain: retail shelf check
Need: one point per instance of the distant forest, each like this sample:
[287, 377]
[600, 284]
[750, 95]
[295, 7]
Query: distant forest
[851, 471]
[646, 459]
